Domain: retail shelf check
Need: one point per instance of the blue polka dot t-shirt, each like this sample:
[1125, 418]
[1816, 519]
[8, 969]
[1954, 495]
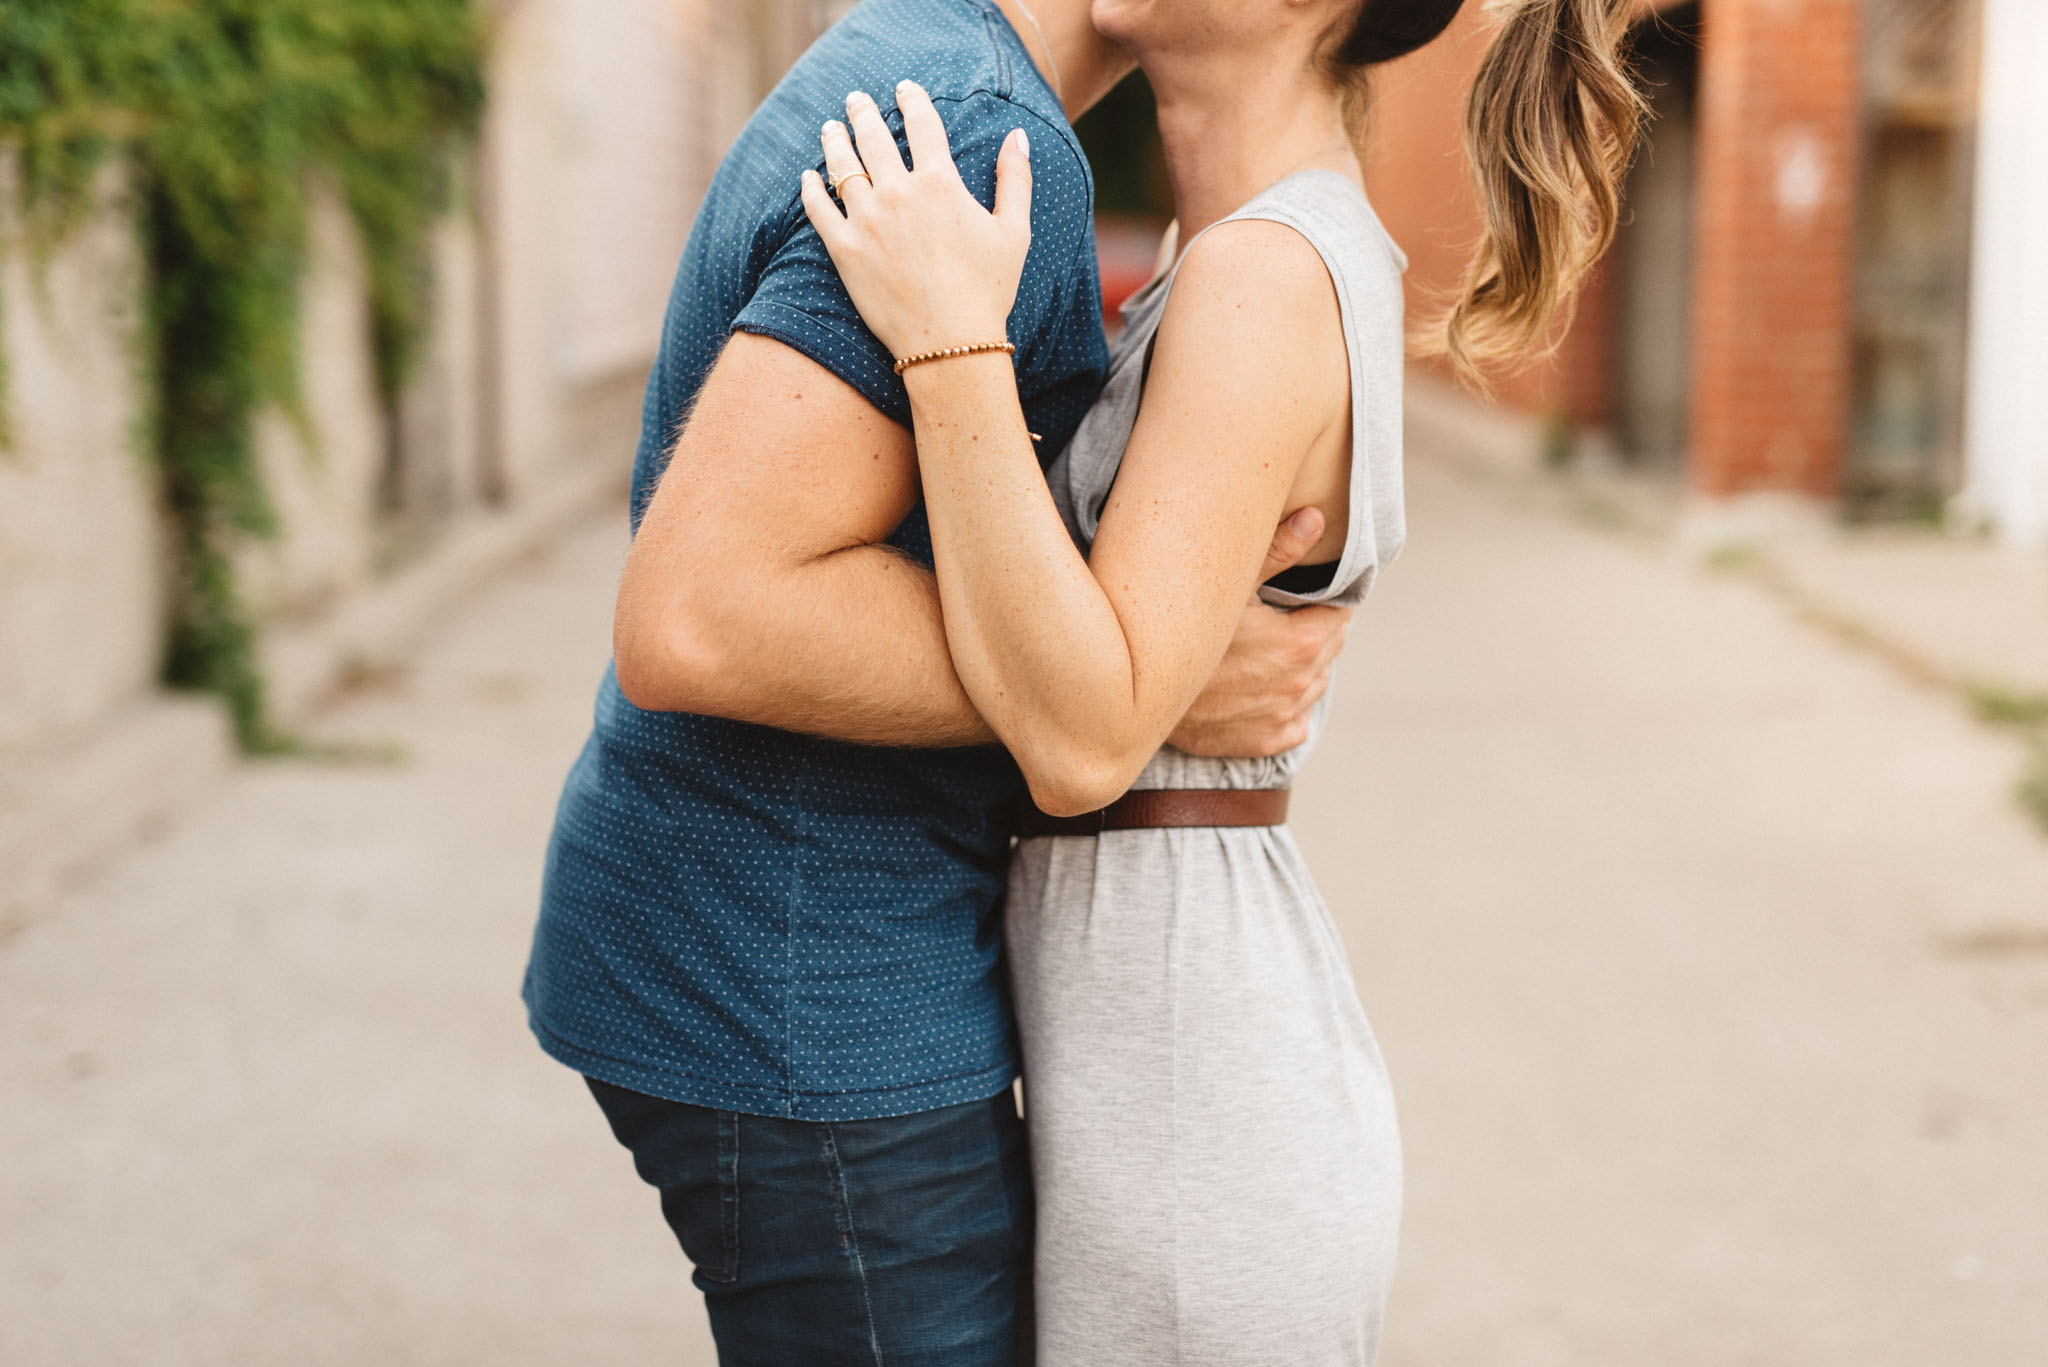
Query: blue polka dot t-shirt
[744, 918]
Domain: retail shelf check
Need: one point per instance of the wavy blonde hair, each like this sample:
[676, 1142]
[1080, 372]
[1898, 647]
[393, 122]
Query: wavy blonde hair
[1550, 127]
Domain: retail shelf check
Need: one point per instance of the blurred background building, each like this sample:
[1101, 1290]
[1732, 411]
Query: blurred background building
[1831, 279]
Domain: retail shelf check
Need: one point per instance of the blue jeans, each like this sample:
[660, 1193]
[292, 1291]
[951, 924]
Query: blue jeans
[902, 1242]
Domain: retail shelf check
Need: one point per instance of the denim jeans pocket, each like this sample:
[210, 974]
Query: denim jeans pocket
[691, 1155]
[706, 1215]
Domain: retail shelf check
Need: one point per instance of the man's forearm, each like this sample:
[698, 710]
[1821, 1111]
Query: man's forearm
[758, 587]
[849, 646]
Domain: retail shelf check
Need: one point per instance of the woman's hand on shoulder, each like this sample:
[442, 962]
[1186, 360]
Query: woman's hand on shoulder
[927, 266]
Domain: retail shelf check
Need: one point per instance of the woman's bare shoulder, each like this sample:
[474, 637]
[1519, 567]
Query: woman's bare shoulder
[1253, 287]
[1258, 263]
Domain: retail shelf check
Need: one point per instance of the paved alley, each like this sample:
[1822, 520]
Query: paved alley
[1710, 959]
[271, 1095]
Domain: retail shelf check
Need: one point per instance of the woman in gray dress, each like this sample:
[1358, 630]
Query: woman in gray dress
[1212, 1130]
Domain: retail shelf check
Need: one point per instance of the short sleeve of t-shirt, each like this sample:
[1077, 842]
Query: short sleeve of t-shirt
[799, 301]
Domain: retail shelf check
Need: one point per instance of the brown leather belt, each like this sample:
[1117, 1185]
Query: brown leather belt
[1150, 809]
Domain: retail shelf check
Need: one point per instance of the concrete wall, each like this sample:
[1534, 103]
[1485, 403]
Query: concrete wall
[80, 617]
[604, 125]
[439, 427]
[322, 476]
[2006, 434]
[636, 156]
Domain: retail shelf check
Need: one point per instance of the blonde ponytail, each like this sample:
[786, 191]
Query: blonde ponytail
[1550, 127]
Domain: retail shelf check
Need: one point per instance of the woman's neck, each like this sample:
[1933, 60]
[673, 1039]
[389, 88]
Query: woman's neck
[1231, 129]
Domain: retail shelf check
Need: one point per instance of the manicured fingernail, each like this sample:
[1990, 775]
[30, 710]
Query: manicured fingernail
[1024, 142]
[830, 124]
[857, 95]
[904, 85]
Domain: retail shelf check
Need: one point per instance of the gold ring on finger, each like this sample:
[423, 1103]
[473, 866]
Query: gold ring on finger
[857, 175]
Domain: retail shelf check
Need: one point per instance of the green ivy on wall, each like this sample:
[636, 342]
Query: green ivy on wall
[220, 110]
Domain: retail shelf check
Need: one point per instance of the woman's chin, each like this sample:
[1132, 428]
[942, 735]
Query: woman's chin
[1119, 20]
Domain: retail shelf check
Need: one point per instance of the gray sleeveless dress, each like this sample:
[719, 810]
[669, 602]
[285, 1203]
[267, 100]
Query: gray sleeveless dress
[1212, 1133]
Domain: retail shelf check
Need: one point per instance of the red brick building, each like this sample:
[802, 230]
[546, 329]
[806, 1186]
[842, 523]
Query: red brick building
[1785, 309]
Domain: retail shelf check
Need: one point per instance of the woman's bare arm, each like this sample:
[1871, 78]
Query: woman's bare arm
[759, 589]
[1083, 668]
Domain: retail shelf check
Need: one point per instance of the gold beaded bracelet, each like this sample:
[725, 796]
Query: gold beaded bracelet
[904, 363]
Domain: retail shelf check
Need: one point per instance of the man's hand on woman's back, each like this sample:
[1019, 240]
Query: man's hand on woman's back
[1277, 668]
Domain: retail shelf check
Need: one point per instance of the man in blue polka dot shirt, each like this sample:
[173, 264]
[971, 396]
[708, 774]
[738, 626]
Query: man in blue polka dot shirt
[769, 929]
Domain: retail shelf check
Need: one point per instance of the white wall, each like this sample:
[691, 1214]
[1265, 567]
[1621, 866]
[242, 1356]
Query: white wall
[636, 154]
[604, 123]
[2006, 425]
[80, 547]
[322, 480]
[603, 129]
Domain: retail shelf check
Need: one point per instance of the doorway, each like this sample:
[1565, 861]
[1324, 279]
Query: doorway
[1912, 257]
[1654, 249]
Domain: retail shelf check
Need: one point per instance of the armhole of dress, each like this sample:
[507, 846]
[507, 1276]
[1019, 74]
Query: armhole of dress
[1361, 534]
